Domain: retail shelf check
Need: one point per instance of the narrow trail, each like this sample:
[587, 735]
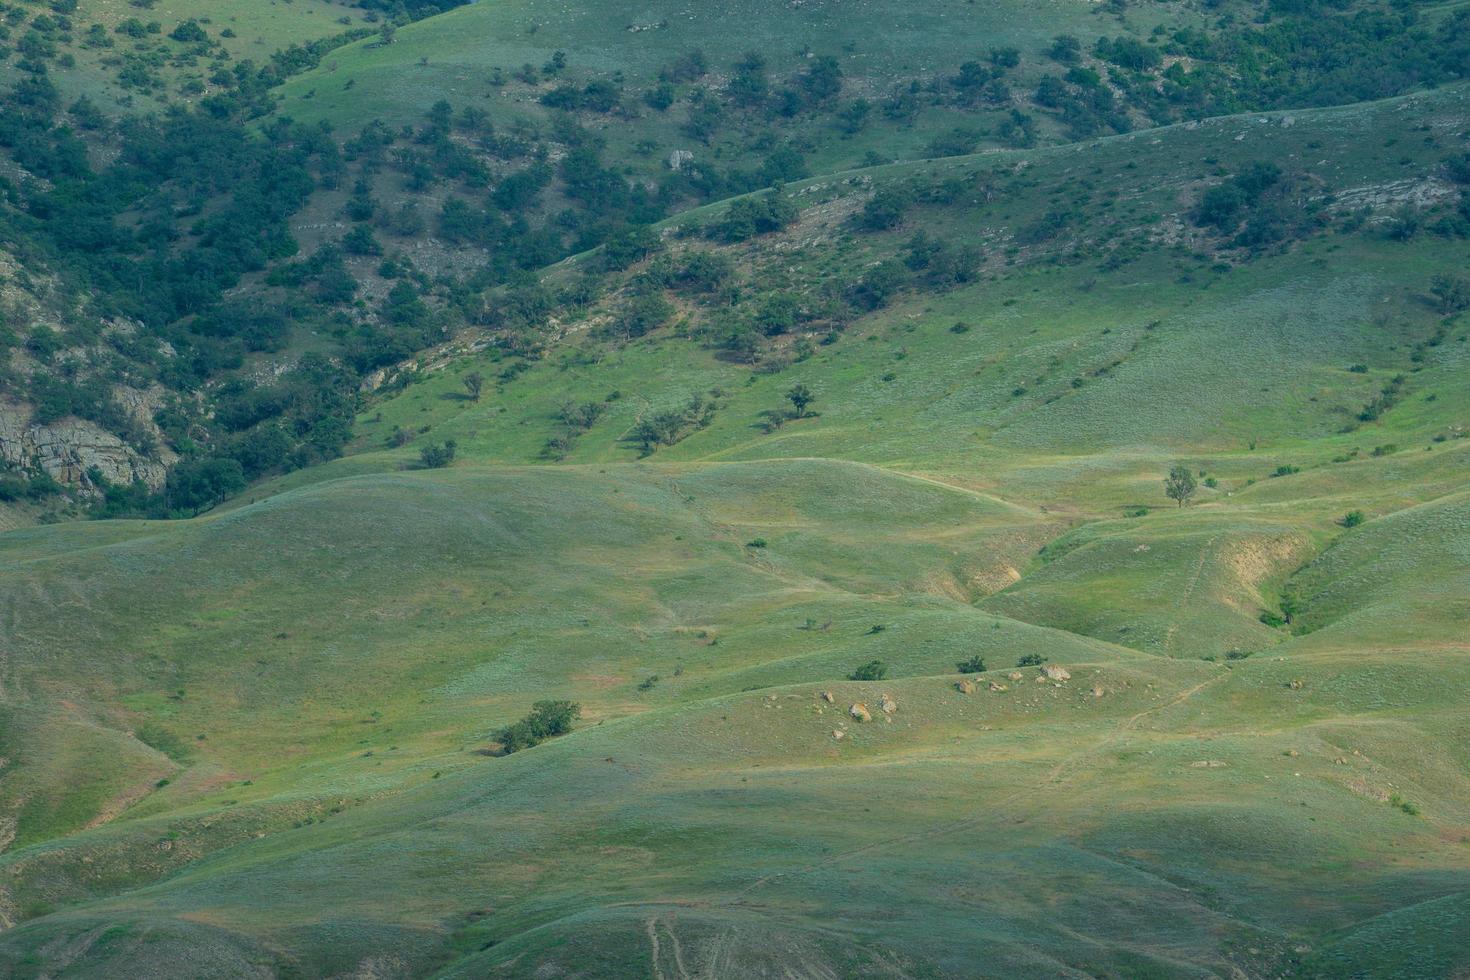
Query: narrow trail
[678, 949]
[1188, 592]
[650, 927]
[991, 498]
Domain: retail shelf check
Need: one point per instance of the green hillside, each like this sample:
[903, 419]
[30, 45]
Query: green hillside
[314, 674]
[125, 55]
[1000, 508]
[454, 55]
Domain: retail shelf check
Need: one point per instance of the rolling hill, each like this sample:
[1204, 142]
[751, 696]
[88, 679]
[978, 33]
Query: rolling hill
[831, 503]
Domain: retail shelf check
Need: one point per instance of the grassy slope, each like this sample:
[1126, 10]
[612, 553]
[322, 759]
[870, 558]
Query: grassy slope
[1027, 830]
[260, 28]
[313, 670]
[463, 46]
[1183, 342]
[454, 56]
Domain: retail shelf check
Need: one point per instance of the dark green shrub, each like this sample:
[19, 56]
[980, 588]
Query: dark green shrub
[873, 670]
[546, 720]
[436, 456]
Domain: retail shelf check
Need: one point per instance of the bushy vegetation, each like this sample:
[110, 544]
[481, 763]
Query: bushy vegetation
[547, 719]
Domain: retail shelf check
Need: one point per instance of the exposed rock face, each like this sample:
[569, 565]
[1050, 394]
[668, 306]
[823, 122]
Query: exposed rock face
[888, 705]
[1055, 673]
[68, 448]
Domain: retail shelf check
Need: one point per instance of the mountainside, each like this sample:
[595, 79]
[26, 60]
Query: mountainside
[773, 489]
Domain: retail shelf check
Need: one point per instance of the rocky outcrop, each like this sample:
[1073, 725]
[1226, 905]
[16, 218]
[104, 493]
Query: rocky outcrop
[68, 448]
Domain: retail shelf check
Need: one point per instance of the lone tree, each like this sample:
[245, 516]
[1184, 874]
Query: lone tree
[473, 383]
[800, 397]
[436, 457]
[388, 33]
[1179, 484]
[1451, 294]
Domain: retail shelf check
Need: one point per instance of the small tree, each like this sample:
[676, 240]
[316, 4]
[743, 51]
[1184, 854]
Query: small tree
[1179, 485]
[388, 33]
[975, 665]
[800, 397]
[873, 670]
[1451, 294]
[474, 382]
[1031, 660]
[437, 456]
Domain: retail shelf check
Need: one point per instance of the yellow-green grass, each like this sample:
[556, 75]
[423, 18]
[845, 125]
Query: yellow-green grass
[339, 645]
[454, 56]
[259, 28]
[316, 668]
[1247, 368]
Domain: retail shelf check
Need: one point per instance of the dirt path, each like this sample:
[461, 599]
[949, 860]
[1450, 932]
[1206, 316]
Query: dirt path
[1188, 592]
[651, 925]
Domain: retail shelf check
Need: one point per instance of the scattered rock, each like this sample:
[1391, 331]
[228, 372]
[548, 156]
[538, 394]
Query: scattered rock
[998, 687]
[964, 686]
[1207, 764]
[1014, 675]
[887, 704]
[1293, 753]
[859, 711]
[839, 734]
[680, 159]
[1055, 673]
[827, 696]
[1097, 691]
[1297, 684]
